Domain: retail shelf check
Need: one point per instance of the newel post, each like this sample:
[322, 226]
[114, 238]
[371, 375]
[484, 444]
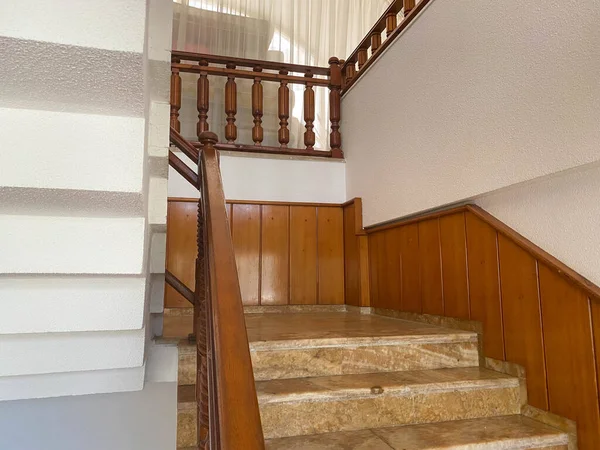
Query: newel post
[175, 97]
[335, 110]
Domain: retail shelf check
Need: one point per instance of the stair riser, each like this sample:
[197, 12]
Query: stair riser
[292, 418]
[311, 362]
[186, 428]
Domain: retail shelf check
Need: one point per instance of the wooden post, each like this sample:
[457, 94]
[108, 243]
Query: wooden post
[257, 108]
[391, 22]
[202, 101]
[283, 109]
[175, 98]
[230, 106]
[335, 86]
[408, 6]
[375, 41]
[309, 114]
[362, 57]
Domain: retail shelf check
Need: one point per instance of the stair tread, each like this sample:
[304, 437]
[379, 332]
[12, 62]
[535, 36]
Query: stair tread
[505, 432]
[360, 385]
[339, 328]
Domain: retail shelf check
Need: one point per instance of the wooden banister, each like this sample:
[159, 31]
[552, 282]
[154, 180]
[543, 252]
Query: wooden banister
[228, 413]
[389, 23]
[260, 72]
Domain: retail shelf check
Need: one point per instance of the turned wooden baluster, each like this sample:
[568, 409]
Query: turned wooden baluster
[375, 41]
[362, 57]
[309, 114]
[230, 106]
[175, 97]
[335, 86]
[391, 22]
[257, 108]
[202, 101]
[283, 96]
[408, 6]
[350, 71]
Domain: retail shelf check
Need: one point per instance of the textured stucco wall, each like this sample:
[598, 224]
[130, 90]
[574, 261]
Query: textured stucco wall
[83, 167]
[475, 96]
[560, 213]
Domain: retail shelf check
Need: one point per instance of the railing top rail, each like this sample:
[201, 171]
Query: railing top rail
[238, 414]
[177, 56]
[416, 6]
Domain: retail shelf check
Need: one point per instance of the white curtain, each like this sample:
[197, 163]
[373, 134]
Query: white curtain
[293, 31]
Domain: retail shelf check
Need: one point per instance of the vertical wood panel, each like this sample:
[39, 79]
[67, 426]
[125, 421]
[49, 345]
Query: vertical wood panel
[375, 241]
[409, 261]
[275, 257]
[484, 288]
[454, 266]
[430, 267]
[182, 222]
[246, 244]
[303, 255]
[365, 288]
[389, 288]
[571, 368]
[521, 315]
[351, 258]
[595, 312]
[330, 251]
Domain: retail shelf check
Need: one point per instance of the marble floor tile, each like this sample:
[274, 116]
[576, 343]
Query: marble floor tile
[331, 325]
[507, 432]
[347, 440]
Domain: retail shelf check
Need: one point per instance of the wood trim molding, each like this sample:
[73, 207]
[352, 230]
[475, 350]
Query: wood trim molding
[557, 266]
[260, 202]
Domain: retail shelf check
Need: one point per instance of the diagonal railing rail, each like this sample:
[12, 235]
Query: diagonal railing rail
[228, 414]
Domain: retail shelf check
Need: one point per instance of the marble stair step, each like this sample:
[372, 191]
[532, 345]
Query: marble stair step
[186, 416]
[491, 433]
[178, 322]
[304, 406]
[298, 358]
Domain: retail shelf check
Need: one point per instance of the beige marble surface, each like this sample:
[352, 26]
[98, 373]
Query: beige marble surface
[494, 433]
[320, 327]
[349, 402]
[346, 359]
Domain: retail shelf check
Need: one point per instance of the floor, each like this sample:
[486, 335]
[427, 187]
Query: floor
[332, 325]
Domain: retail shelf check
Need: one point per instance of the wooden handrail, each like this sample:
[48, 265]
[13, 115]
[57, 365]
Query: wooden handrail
[260, 71]
[388, 22]
[177, 55]
[228, 412]
[183, 169]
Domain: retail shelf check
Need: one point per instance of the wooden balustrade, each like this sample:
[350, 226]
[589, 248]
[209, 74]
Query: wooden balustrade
[388, 23]
[228, 414]
[260, 72]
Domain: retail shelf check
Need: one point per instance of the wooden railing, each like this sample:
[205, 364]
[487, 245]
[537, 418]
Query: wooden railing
[228, 414]
[259, 71]
[463, 263]
[393, 21]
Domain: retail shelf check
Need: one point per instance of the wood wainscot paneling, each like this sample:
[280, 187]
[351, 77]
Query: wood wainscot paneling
[535, 311]
[356, 256]
[286, 253]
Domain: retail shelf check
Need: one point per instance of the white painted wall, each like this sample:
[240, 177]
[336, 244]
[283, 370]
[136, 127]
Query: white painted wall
[272, 178]
[144, 420]
[561, 214]
[84, 101]
[475, 96]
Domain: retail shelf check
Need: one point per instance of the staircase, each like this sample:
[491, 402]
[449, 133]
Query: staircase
[339, 379]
